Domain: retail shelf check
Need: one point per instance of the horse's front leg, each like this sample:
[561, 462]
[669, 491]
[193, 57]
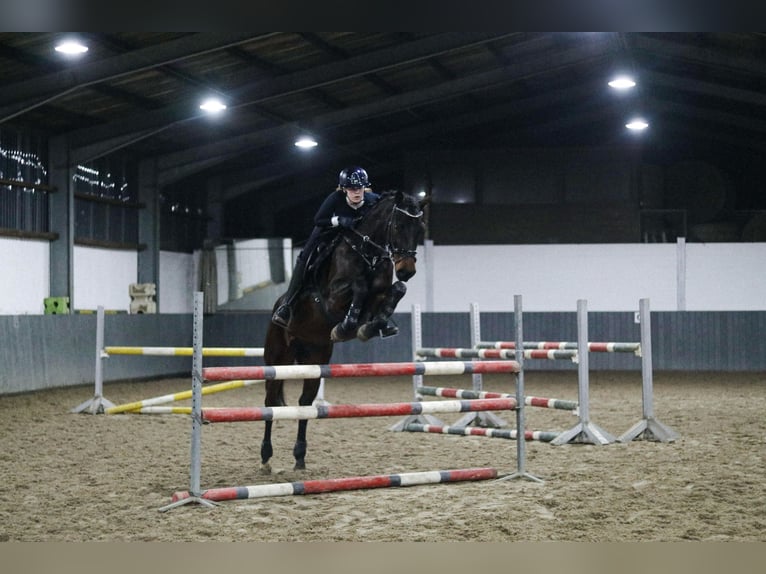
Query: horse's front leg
[380, 321]
[310, 390]
[345, 330]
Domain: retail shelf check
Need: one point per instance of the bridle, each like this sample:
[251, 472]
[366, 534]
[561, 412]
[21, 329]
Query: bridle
[400, 251]
[389, 251]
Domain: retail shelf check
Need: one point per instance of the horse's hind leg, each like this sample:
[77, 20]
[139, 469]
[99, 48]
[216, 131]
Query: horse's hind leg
[277, 351]
[308, 355]
[310, 390]
[274, 398]
[266, 449]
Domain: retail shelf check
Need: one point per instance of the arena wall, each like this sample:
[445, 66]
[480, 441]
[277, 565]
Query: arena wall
[41, 352]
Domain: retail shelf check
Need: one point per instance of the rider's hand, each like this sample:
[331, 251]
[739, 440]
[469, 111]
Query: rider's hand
[347, 222]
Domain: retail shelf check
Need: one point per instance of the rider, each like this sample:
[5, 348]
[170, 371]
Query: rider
[341, 209]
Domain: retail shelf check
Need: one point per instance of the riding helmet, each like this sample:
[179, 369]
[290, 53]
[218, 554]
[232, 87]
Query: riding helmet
[353, 177]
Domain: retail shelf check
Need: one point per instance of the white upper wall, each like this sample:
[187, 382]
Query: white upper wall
[177, 282]
[102, 277]
[612, 277]
[26, 281]
[725, 276]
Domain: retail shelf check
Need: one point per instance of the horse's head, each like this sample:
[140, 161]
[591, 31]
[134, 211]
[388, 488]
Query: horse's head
[406, 232]
[395, 226]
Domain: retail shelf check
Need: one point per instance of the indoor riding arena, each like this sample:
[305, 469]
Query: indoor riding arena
[553, 332]
[81, 476]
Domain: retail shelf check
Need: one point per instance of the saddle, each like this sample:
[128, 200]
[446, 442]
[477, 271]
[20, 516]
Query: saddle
[325, 247]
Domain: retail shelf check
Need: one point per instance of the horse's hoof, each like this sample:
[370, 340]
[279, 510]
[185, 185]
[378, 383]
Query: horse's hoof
[361, 333]
[299, 465]
[339, 335]
[265, 468]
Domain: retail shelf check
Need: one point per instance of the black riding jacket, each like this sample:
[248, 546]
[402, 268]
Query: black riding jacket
[326, 218]
[335, 206]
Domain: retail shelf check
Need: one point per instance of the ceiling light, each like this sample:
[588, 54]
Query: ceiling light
[306, 142]
[71, 47]
[212, 106]
[622, 83]
[637, 125]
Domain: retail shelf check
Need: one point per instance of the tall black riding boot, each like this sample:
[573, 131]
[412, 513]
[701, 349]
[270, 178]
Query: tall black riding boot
[282, 315]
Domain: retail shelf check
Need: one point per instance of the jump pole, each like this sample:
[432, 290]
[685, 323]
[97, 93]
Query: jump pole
[648, 427]
[584, 431]
[98, 403]
[186, 351]
[546, 403]
[473, 353]
[511, 434]
[162, 410]
[521, 472]
[195, 494]
[140, 406]
[593, 347]
[249, 414]
[342, 484]
[359, 370]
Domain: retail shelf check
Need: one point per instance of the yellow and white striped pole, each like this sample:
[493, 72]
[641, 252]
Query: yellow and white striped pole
[187, 351]
[163, 411]
[164, 399]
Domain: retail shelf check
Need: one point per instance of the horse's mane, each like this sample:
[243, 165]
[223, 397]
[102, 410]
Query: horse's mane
[385, 197]
[403, 200]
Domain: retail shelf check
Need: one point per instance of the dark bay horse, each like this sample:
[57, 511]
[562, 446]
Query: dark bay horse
[351, 296]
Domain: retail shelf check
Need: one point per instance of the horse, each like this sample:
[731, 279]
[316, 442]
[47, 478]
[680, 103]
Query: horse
[348, 295]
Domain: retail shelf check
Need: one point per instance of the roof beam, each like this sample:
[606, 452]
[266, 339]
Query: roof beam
[727, 119]
[659, 48]
[716, 126]
[705, 88]
[181, 164]
[243, 181]
[14, 99]
[315, 77]
[672, 124]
